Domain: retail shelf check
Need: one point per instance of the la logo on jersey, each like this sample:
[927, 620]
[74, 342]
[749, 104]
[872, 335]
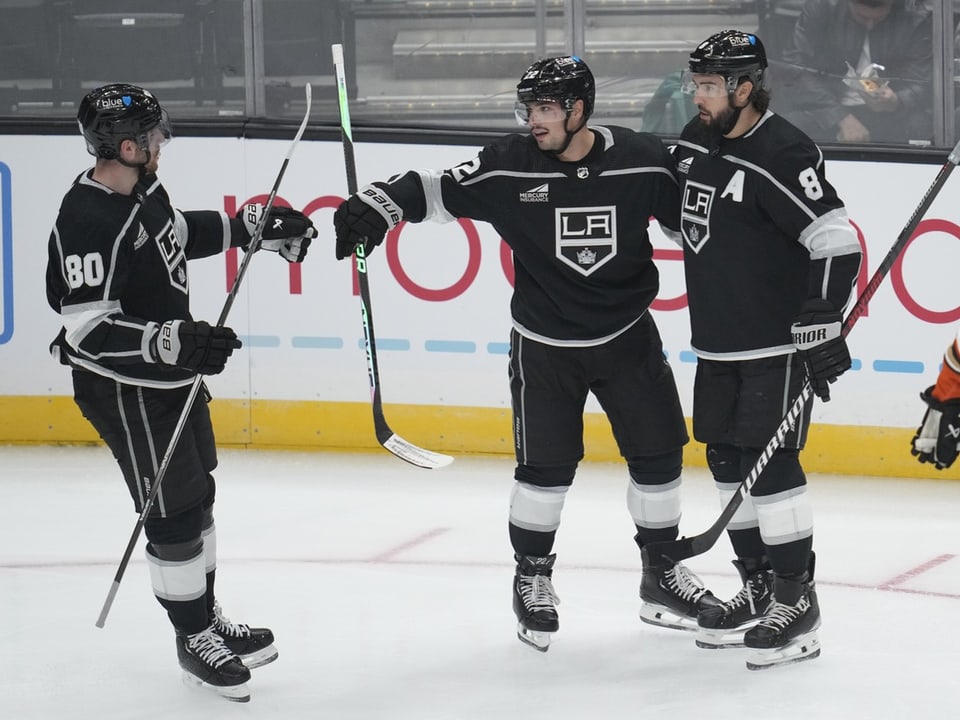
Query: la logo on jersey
[695, 214]
[172, 252]
[586, 237]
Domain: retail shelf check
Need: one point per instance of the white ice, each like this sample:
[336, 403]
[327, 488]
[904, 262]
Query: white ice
[388, 588]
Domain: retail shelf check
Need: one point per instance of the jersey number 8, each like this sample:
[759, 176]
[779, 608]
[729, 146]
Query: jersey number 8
[810, 183]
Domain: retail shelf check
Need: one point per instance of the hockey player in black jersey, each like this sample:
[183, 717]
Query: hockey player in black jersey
[770, 259]
[573, 202]
[117, 275]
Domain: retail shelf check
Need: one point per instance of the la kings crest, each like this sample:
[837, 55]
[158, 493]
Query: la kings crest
[695, 214]
[173, 256]
[586, 237]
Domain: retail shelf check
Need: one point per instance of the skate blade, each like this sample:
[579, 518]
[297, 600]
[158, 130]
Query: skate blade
[234, 693]
[261, 657]
[537, 639]
[716, 639]
[806, 647]
[719, 642]
[664, 617]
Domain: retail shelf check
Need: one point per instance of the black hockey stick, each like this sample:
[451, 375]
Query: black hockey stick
[198, 381]
[677, 550]
[385, 436]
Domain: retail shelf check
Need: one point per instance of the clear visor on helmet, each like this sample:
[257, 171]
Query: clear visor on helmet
[707, 86]
[540, 110]
[159, 135]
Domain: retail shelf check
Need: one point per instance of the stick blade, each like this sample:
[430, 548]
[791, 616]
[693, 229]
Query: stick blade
[682, 549]
[413, 454]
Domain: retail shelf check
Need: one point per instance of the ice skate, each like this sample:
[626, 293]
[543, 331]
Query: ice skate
[254, 646]
[788, 632]
[208, 662]
[535, 601]
[723, 626]
[671, 595]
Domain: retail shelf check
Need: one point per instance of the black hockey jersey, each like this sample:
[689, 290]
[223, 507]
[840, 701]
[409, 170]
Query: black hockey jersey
[117, 269]
[578, 230]
[763, 230]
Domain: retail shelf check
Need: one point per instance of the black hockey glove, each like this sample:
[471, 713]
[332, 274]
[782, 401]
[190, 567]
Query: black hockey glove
[820, 345]
[938, 438]
[286, 231]
[364, 219]
[195, 346]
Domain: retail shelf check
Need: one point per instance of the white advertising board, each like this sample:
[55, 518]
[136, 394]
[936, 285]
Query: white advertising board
[441, 292]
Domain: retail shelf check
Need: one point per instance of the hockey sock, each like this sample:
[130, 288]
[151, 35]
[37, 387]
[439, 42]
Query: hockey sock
[209, 538]
[653, 496]
[179, 584]
[534, 517]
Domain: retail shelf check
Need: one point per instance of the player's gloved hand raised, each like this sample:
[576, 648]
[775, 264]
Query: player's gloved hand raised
[195, 346]
[286, 231]
[364, 219]
[820, 345]
[938, 438]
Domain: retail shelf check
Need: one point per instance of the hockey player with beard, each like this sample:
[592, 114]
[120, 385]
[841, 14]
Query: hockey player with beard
[573, 202]
[117, 275]
[937, 439]
[770, 259]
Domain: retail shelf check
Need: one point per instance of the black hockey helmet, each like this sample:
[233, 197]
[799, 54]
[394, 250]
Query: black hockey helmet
[562, 79]
[734, 55]
[111, 114]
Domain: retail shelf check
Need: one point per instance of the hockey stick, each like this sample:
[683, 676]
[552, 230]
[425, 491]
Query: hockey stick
[198, 381]
[676, 550]
[385, 436]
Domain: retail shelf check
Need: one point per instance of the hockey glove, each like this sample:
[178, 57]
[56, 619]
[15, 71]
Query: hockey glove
[287, 231]
[820, 345]
[364, 219]
[938, 438]
[195, 346]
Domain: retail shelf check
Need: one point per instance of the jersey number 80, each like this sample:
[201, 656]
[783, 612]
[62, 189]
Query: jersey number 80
[86, 270]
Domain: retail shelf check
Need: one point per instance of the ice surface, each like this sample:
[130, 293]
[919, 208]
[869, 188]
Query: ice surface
[388, 588]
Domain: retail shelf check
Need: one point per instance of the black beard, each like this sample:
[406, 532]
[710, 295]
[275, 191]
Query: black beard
[720, 125]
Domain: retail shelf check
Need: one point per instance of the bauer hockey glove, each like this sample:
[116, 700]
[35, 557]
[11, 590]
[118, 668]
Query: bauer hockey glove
[286, 231]
[938, 438]
[364, 219]
[820, 345]
[195, 346]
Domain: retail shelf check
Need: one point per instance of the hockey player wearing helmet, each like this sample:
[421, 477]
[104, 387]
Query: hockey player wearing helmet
[117, 275]
[770, 259]
[548, 93]
[573, 202]
[937, 439]
[115, 113]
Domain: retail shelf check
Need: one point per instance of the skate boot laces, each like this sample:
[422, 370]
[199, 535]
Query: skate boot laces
[780, 615]
[537, 592]
[745, 596]
[684, 583]
[227, 627]
[209, 647]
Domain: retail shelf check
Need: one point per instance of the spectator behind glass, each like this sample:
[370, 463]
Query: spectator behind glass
[862, 71]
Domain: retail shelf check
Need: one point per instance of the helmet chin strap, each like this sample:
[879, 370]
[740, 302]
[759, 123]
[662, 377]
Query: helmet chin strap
[729, 122]
[570, 134]
[141, 168]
